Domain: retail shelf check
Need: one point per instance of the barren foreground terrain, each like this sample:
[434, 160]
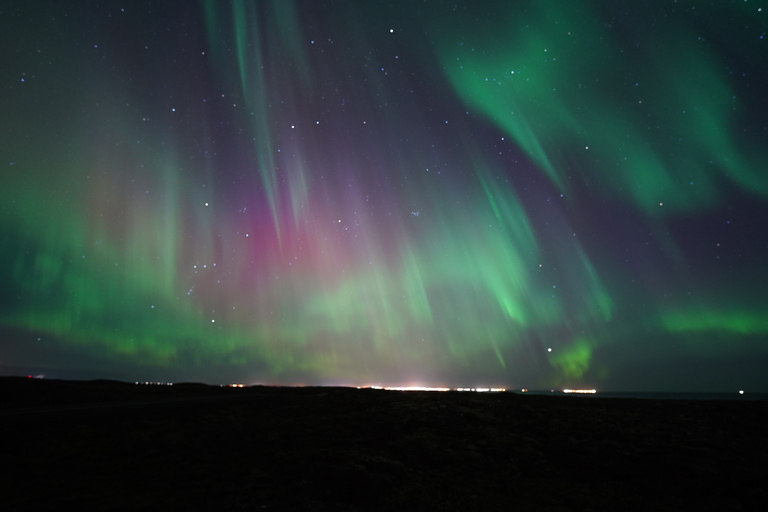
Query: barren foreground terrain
[110, 445]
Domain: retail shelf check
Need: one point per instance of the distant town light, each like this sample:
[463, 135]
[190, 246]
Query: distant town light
[423, 388]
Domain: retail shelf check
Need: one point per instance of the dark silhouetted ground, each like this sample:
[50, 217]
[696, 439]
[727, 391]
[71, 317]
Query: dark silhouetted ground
[110, 445]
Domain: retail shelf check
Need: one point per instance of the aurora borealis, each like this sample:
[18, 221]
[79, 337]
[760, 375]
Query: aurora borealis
[398, 193]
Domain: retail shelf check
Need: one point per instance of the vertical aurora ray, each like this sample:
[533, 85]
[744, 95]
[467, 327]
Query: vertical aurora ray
[652, 128]
[359, 193]
[272, 68]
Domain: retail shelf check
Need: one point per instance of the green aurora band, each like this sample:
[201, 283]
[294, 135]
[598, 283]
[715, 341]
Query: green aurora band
[269, 193]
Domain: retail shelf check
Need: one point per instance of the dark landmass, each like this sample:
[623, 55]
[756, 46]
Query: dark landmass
[120, 446]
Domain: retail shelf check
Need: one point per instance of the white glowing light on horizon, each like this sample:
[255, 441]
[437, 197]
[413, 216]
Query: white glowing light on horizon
[424, 388]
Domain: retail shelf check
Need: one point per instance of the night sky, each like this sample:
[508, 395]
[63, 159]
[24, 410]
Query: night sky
[426, 192]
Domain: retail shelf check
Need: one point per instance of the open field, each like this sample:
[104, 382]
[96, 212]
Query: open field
[109, 445]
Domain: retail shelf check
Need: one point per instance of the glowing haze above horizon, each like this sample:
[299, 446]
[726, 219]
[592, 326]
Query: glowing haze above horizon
[517, 194]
